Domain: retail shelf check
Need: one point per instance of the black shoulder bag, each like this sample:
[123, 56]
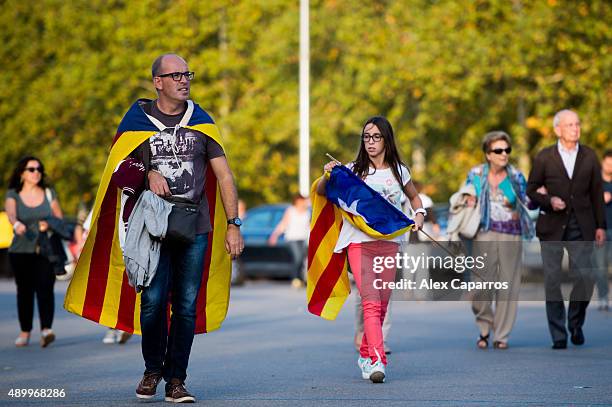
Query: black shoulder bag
[182, 221]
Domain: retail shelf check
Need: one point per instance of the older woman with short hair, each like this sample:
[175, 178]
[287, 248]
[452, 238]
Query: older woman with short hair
[501, 195]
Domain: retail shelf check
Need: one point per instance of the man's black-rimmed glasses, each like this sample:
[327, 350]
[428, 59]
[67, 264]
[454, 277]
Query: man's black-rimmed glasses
[177, 76]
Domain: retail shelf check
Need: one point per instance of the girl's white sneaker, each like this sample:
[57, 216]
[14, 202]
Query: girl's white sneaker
[377, 372]
[365, 364]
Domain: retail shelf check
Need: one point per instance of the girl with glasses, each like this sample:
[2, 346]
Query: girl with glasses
[504, 219]
[29, 202]
[379, 165]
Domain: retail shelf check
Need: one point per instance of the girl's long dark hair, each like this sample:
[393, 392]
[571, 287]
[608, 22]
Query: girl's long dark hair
[15, 180]
[392, 157]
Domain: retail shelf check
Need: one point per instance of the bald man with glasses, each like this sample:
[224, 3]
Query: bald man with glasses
[176, 158]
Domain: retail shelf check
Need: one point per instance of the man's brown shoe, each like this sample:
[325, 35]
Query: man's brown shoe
[148, 385]
[176, 392]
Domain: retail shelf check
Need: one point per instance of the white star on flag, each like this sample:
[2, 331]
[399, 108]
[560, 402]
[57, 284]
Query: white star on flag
[351, 209]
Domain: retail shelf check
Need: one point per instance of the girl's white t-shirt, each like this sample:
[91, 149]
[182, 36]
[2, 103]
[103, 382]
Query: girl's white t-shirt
[383, 182]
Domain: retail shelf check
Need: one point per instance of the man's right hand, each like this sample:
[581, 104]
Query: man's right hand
[158, 184]
[557, 203]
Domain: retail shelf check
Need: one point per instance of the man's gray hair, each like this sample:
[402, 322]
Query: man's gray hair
[557, 118]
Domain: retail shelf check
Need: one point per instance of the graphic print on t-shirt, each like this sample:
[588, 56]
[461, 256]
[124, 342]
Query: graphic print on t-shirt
[174, 159]
[384, 182]
[389, 189]
[501, 210]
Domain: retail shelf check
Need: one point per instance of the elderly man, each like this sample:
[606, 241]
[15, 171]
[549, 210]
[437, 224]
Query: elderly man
[571, 217]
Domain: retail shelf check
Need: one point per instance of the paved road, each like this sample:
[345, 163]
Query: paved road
[271, 352]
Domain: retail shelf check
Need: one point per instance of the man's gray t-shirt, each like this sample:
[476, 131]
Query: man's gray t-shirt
[182, 158]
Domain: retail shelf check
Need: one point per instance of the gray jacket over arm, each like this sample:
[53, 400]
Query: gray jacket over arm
[147, 225]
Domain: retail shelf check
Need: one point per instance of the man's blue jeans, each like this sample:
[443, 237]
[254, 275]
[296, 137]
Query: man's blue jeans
[180, 273]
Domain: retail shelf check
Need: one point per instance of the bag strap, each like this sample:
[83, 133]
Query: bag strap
[49, 195]
[184, 120]
[518, 198]
[146, 161]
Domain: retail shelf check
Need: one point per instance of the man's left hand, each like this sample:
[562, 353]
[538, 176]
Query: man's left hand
[600, 237]
[234, 244]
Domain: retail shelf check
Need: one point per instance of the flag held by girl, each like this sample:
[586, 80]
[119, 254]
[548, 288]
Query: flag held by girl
[348, 197]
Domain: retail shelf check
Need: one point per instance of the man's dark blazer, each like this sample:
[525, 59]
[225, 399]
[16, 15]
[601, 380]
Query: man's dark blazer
[583, 193]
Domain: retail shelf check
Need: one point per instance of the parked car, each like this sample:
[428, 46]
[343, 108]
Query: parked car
[258, 258]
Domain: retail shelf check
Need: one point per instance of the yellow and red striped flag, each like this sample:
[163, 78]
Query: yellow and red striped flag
[99, 289]
[327, 283]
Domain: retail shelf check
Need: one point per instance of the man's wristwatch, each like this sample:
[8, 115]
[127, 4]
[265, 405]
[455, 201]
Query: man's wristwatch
[235, 222]
[421, 211]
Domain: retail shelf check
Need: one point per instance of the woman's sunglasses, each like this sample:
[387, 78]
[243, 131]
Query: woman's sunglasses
[501, 150]
[34, 169]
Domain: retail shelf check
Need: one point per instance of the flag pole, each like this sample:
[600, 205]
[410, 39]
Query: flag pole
[332, 158]
[434, 241]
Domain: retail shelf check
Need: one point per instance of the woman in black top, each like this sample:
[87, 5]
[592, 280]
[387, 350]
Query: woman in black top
[28, 204]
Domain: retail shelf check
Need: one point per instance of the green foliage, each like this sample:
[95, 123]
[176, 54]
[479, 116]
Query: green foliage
[444, 72]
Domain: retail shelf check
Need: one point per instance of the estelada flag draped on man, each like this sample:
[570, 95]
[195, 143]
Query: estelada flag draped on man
[350, 198]
[99, 289]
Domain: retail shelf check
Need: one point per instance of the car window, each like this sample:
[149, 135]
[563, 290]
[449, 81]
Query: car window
[277, 215]
[259, 219]
[264, 218]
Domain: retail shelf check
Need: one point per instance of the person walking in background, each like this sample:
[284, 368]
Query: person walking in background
[571, 212]
[28, 207]
[294, 225]
[379, 165]
[431, 226]
[242, 209]
[504, 219]
[603, 254]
